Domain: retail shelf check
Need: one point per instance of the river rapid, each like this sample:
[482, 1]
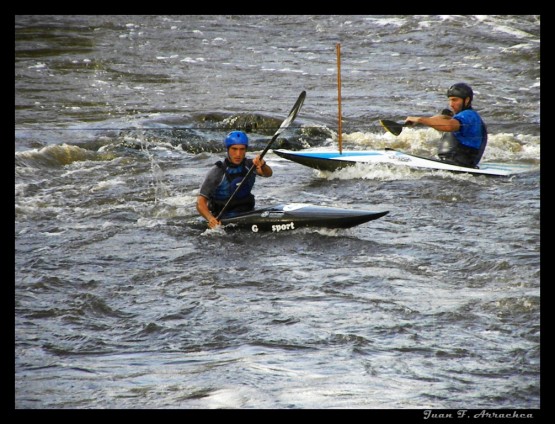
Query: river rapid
[121, 303]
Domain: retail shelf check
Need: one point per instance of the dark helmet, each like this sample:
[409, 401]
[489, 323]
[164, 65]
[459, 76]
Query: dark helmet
[461, 90]
[236, 137]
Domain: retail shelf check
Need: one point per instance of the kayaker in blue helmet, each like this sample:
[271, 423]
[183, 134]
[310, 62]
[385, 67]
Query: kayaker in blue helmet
[464, 135]
[222, 180]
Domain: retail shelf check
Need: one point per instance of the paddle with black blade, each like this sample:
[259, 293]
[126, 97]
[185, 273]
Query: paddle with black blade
[283, 126]
[395, 128]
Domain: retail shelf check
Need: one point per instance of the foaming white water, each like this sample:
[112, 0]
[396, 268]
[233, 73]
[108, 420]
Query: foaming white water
[511, 147]
[501, 146]
[380, 172]
[57, 155]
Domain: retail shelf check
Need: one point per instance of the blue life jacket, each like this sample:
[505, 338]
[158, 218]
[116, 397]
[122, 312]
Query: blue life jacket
[232, 175]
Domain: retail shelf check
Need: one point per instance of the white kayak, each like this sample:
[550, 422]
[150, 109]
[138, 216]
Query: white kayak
[326, 160]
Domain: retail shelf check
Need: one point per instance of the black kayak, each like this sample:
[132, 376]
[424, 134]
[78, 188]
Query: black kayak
[292, 216]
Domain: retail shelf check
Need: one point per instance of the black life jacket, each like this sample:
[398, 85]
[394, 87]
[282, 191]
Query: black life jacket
[453, 151]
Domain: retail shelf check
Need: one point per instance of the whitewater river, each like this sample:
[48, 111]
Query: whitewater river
[120, 302]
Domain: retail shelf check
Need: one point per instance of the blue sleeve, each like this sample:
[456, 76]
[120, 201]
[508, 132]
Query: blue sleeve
[470, 132]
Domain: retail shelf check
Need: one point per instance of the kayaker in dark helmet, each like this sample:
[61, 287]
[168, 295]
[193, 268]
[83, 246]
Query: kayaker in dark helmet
[464, 135]
[222, 180]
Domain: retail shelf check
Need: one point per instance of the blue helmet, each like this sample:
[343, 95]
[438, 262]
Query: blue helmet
[236, 137]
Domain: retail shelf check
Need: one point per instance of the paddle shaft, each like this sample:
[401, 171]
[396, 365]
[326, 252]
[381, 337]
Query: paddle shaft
[339, 130]
[292, 115]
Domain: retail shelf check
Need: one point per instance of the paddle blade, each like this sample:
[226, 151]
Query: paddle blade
[290, 118]
[293, 114]
[391, 126]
